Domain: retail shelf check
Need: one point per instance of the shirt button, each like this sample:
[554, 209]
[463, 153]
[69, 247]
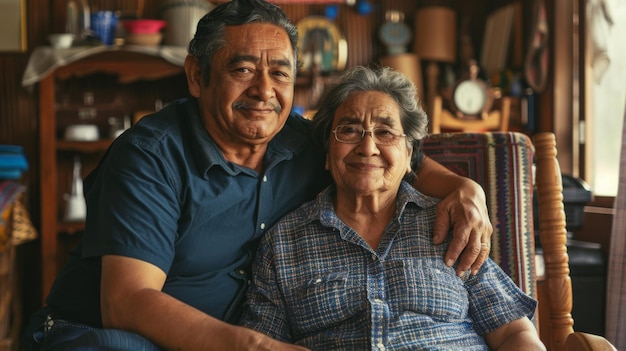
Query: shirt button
[378, 301]
[262, 225]
[264, 179]
[381, 347]
[241, 272]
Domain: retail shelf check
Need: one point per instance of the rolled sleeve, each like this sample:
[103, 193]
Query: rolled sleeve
[495, 300]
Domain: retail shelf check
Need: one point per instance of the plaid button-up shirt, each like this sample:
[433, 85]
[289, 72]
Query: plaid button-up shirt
[317, 283]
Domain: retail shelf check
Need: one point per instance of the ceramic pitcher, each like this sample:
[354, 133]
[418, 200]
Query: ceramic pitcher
[182, 17]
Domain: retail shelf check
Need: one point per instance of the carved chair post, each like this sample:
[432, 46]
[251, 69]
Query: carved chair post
[553, 236]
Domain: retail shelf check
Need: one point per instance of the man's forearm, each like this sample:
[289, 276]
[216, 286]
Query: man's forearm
[435, 180]
[170, 323]
[174, 325]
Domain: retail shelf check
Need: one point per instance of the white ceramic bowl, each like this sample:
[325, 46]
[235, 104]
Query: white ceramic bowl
[82, 132]
[61, 40]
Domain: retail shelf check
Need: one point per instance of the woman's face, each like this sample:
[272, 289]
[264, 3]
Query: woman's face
[366, 168]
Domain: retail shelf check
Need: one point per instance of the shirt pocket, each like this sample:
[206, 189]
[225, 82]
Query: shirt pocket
[434, 290]
[325, 299]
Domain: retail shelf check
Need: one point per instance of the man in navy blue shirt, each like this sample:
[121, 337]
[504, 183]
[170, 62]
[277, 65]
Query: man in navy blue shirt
[179, 201]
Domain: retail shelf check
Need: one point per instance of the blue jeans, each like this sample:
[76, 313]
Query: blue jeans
[46, 333]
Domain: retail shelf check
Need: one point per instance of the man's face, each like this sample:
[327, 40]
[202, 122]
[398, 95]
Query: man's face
[250, 90]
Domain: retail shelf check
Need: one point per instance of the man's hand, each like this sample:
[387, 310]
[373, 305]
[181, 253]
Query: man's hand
[262, 342]
[463, 208]
[465, 211]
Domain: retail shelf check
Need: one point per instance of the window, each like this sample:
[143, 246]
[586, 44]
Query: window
[606, 93]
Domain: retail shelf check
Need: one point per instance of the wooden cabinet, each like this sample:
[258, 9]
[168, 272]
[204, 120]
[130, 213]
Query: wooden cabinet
[120, 83]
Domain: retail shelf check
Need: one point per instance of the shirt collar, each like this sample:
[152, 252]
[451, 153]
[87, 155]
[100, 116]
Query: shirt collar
[291, 140]
[323, 208]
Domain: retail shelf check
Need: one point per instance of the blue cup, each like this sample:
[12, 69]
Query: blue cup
[104, 24]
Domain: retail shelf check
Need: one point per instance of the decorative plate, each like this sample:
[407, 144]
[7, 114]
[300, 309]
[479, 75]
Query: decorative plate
[321, 45]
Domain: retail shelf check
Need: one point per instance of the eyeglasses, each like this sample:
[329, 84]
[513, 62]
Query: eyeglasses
[354, 133]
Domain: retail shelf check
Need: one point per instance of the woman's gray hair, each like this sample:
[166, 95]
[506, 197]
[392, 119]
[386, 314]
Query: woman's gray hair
[383, 79]
[209, 37]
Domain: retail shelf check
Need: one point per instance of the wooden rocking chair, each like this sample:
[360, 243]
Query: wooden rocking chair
[502, 162]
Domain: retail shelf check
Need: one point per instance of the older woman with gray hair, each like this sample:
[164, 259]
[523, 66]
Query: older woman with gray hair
[412, 117]
[356, 269]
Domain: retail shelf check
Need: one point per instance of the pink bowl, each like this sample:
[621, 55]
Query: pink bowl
[143, 26]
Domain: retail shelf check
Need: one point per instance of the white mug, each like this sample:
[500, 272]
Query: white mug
[76, 208]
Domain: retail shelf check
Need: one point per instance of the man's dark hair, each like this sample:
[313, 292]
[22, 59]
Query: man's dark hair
[209, 37]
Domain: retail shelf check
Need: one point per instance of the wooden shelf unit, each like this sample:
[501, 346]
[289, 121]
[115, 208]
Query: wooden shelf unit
[127, 68]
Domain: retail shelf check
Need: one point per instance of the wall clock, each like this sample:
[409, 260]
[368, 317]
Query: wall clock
[394, 33]
[471, 96]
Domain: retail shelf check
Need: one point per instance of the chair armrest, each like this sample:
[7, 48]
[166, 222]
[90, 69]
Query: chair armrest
[579, 341]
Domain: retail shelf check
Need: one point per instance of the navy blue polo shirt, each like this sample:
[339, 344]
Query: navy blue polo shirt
[164, 194]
